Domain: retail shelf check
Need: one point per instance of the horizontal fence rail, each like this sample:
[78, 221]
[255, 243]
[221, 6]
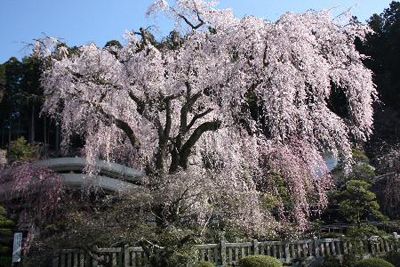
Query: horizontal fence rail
[228, 254]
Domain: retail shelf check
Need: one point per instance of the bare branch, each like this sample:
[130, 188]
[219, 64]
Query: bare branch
[188, 22]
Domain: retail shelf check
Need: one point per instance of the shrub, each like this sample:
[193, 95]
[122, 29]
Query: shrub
[374, 262]
[331, 262]
[349, 260]
[204, 264]
[6, 233]
[21, 150]
[364, 231]
[394, 258]
[259, 261]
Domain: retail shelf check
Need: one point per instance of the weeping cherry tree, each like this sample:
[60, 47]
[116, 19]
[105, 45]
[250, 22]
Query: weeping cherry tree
[220, 121]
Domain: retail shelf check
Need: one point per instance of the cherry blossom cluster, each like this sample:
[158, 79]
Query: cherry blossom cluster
[33, 192]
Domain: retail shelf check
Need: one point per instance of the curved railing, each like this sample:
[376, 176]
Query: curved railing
[109, 176]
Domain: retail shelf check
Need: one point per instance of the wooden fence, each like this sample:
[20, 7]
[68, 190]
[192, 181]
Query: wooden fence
[228, 254]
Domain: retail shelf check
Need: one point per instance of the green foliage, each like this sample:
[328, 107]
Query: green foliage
[5, 261]
[6, 233]
[21, 98]
[394, 258]
[382, 48]
[331, 262]
[259, 261]
[204, 264]
[2, 82]
[21, 150]
[114, 43]
[361, 170]
[173, 41]
[177, 250]
[359, 155]
[359, 203]
[364, 231]
[281, 198]
[374, 262]
[81, 225]
[349, 260]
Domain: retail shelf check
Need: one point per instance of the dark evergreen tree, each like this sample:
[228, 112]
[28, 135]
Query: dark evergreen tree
[383, 49]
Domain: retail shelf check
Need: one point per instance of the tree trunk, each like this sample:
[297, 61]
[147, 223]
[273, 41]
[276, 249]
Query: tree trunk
[2, 135]
[57, 142]
[45, 136]
[32, 128]
[9, 136]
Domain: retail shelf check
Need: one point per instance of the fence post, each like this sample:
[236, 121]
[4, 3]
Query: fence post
[255, 247]
[125, 255]
[396, 241]
[55, 260]
[287, 252]
[222, 247]
[316, 247]
[371, 244]
[344, 242]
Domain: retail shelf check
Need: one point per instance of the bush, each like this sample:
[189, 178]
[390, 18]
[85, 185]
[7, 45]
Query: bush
[21, 150]
[6, 233]
[374, 262]
[394, 258]
[259, 261]
[364, 231]
[349, 260]
[204, 264]
[331, 262]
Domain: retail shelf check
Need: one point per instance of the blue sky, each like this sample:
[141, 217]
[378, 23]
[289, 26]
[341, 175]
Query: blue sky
[84, 21]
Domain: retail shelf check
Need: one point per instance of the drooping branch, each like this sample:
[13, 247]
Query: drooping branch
[122, 125]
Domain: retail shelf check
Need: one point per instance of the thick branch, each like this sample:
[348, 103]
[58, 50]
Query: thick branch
[191, 100]
[187, 147]
[118, 122]
[163, 134]
[139, 103]
[194, 27]
[143, 33]
[128, 131]
[168, 120]
[198, 116]
[265, 63]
